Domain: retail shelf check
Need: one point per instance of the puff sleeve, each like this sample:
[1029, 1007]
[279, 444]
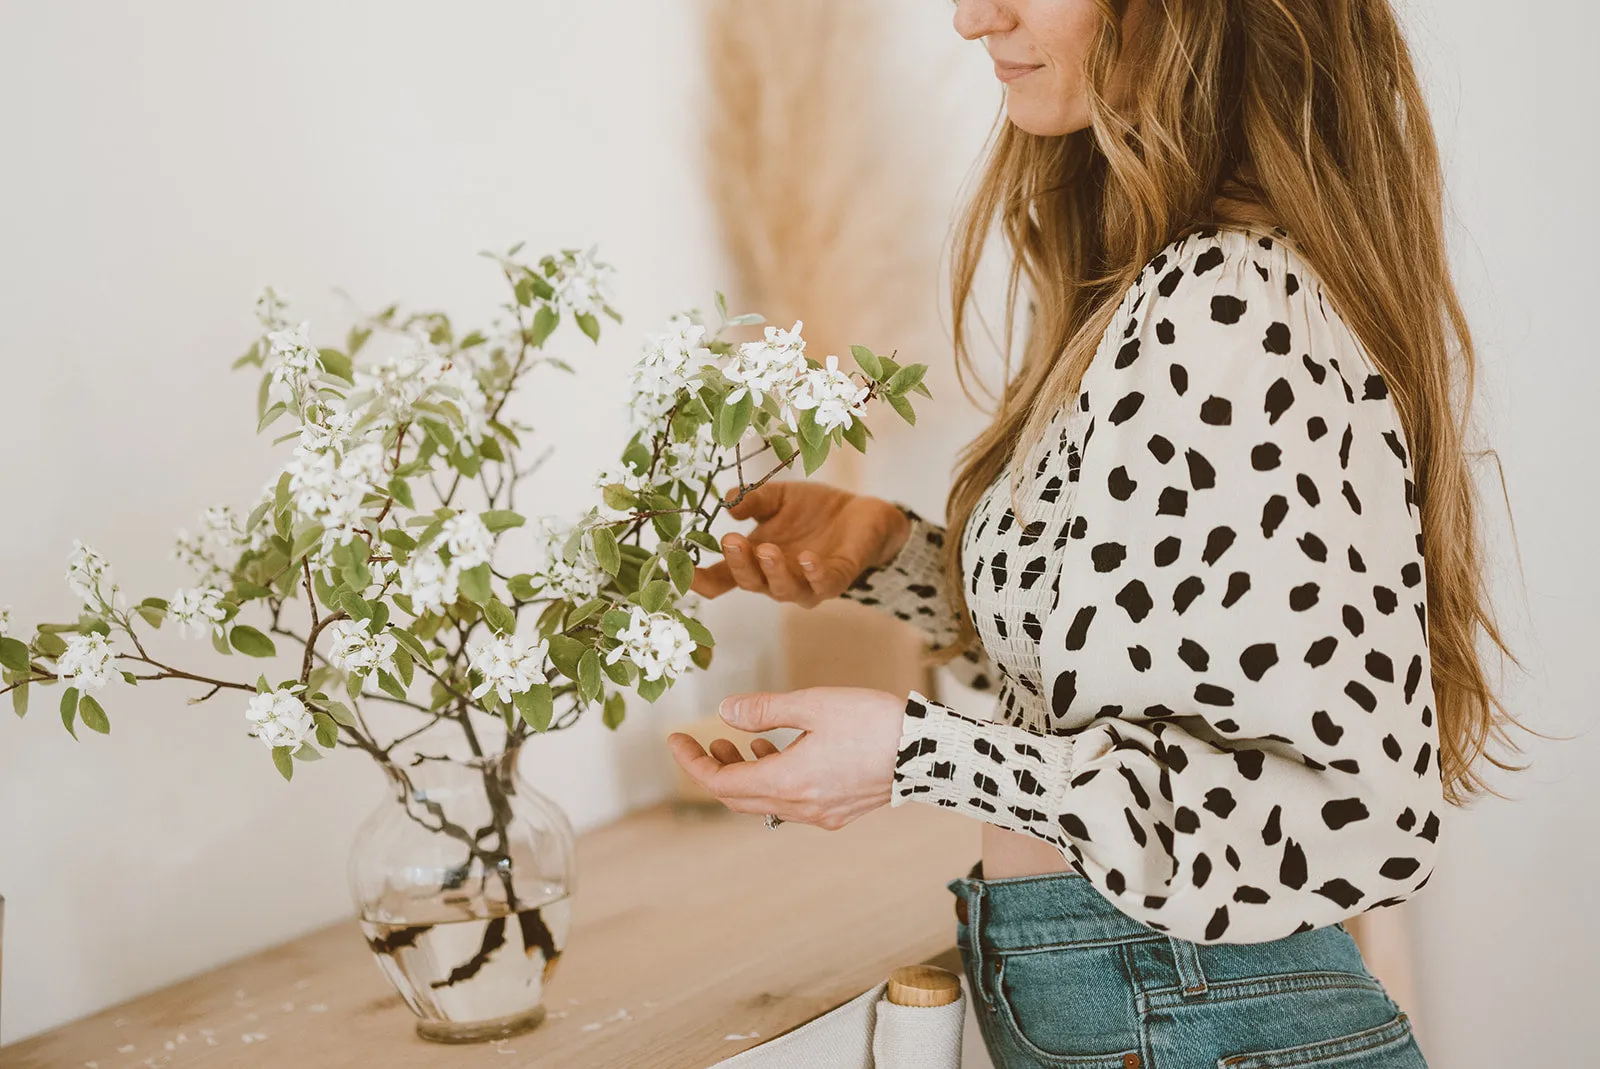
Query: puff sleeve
[1242, 740]
[911, 587]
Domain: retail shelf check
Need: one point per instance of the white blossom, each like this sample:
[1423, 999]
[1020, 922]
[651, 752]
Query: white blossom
[86, 570]
[89, 662]
[773, 365]
[429, 582]
[581, 283]
[657, 643]
[693, 460]
[355, 649]
[576, 580]
[197, 611]
[834, 395]
[508, 666]
[214, 551]
[671, 362]
[406, 377]
[297, 363]
[5, 621]
[270, 308]
[281, 718]
[468, 540]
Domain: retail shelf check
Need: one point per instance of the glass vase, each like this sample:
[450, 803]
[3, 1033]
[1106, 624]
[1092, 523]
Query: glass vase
[463, 880]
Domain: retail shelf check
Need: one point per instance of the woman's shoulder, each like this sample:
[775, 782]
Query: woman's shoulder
[1234, 303]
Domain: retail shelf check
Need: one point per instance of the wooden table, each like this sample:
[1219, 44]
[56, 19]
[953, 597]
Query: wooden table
[690, 926]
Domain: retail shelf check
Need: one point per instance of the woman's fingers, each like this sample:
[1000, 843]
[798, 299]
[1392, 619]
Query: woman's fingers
[742, 565]
[763, 747]
[711, 581]
[782, 582]
[762, 503]
[726, 751]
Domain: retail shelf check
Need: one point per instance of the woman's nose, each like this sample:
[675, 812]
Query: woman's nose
[979, 18]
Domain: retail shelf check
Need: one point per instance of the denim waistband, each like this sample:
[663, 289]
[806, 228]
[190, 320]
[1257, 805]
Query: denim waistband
[1053, 908]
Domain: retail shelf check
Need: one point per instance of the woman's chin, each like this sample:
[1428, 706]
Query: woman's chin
[1042, 118]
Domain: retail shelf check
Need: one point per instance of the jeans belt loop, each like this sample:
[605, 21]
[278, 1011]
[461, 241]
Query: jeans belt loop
[1186, 956]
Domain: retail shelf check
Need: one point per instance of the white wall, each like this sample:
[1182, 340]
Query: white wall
[162, 162]
[1506, 932]
[160, 167]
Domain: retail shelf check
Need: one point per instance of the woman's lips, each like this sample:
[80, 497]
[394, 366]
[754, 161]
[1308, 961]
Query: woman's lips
[1010, 72]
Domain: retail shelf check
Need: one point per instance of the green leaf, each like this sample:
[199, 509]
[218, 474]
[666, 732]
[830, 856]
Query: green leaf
[565, 653]
[536, 706]
[616, 708]
[544, 324]
[475, 584]
[307, 536]
[701, 657]
[589, 325]
[906, 378]
[14, 655]
[521, 586]
[681, 568]
[250, 642]
[19, 699]
[336, 364]
[501, 618]
[733, 421]
[327, 730]
[404, 666]
[813, 455]
[49, 643]
[620, 671]
[613, 621]
[353, 605]
[390, 685]
[92, 715]
[586, 610]
[697, 630]
[498, 520]
[783, 448]
[284, 760]
[856, 435]
[400, 490]
[606, 552]
[617, 496]
[651, 689]
[867, 360]
[589, 681]
[69, 709]
[307, 752]
[810, 432]
[341, 713]
[704, 540]
[655, 595]
[410, 642]
[902, 406]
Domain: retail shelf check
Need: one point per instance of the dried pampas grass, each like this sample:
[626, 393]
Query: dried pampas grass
[814, 212]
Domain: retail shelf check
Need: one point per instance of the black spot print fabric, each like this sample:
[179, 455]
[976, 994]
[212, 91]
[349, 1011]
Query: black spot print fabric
[1211, 653]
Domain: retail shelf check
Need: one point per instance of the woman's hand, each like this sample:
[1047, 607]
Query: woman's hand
[810, 542]
[841, 766]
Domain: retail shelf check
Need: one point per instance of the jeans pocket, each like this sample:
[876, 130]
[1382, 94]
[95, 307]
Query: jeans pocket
[1068, 1006]
[1386, 1046]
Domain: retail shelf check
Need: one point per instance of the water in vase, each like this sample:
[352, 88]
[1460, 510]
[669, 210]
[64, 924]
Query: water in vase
[471, 968]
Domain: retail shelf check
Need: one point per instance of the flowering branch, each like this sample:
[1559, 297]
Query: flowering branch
[402, 600]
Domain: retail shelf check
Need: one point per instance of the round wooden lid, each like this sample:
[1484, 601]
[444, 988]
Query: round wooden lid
[923, 985]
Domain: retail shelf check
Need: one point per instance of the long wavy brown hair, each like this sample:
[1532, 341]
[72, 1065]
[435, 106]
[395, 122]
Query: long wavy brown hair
[1308, 113]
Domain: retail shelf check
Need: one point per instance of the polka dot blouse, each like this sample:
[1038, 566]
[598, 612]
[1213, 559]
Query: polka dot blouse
[1203, 616]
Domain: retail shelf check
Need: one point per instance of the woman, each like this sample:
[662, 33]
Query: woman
[1216, 553]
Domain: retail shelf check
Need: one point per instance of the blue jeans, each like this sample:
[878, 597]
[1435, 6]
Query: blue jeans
[1060, 977]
